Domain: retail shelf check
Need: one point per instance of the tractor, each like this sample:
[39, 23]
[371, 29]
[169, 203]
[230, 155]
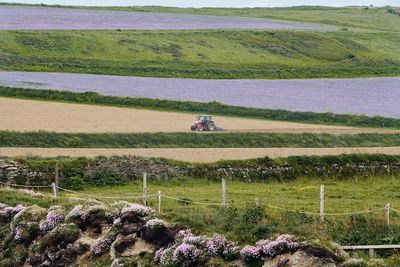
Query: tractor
[203, 123]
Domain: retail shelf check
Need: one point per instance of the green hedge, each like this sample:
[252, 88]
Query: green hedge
[196, 107]
[79, 172]
[193, 140]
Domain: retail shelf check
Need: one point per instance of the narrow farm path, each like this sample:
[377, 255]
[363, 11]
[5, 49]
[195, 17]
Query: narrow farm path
[204, 155]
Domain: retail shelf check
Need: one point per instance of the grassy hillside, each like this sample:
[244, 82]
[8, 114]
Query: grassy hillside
[204, 54]
[214, 108]
[355, 18]
[64, 140]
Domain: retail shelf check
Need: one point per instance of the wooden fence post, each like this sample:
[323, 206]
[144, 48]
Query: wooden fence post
[144, 188]
[53, 186]
[159, 201]
[322, 203]
[223, 192]
[388, 213]
[56, 179]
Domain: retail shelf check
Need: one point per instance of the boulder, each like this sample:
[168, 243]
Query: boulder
[129, 228]
[124, 242]
[299, 259]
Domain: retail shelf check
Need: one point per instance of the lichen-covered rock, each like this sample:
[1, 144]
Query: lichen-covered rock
[59, 237]
[299, 259]
[124, 242]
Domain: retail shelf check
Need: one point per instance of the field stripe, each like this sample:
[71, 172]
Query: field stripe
[31, 115]
[47, 18]
[370, 96]
[204, 155]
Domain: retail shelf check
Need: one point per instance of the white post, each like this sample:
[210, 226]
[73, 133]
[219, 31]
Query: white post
[321, 203]
[56, 179]
[159, 201]
[54, 187]
[223, 192]
[388, 213]
[144, 188]
[257, 202]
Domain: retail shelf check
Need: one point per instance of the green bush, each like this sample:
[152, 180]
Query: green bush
[73, 183]
[106, 179]
[226, 139]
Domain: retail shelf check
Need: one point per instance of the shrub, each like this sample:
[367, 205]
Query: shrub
[73, 183]
[107, 179]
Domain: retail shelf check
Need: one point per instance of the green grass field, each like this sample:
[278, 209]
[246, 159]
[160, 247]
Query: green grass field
[354, 18]
[278, 213]
[204, 54]
[194, 140]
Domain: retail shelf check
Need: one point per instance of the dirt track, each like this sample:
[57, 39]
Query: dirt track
[28, 115]
[198, 154]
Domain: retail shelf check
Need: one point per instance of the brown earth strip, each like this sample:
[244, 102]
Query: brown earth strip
[204, 155]
[29, 115]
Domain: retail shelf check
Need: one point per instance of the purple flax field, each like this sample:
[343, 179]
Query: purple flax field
[369, 96]
[45, 18]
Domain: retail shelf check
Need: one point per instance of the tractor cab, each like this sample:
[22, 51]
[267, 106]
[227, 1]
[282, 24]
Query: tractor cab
[204, 118]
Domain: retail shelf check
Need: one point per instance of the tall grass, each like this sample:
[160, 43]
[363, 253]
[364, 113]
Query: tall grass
[193, 140]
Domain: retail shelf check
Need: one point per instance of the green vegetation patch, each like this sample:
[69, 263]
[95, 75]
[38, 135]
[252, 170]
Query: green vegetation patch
[193, 140]
[245, 222]
[204, 53]
[214, 108]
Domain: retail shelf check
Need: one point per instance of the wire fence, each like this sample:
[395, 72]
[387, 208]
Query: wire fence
[224, 201]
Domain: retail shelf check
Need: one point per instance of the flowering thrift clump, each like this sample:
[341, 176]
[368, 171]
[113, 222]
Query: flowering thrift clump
[18, 233]
[138, 210]
[156, 225]
[269, 249]
[186, 255]
[250, 254]
[52, 219]
[190, 249]
[78, 212]
[218, 245]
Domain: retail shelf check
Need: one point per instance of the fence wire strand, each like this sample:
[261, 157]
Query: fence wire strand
[26, 186]
[104, 197]
[200, 202]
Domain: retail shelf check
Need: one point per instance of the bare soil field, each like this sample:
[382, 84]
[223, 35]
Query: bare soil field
[46, 18]
[204, 155]
[29, 115]
[369, 96]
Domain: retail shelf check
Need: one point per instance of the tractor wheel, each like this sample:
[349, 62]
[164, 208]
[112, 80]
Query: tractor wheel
[201, 128]
[211, 126]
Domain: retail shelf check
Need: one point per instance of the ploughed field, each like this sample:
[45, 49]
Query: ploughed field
[195, 155]
[369, 96]
[29, 115]
[45, 18]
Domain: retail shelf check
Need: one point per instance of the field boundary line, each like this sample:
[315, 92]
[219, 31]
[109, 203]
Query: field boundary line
[26, 186]
[103, 197]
